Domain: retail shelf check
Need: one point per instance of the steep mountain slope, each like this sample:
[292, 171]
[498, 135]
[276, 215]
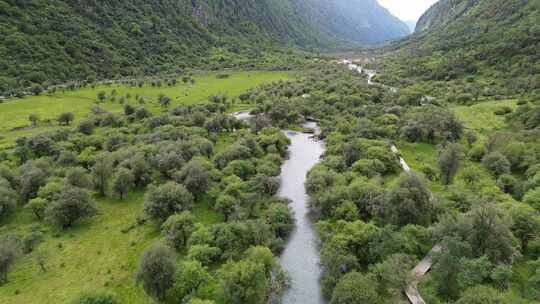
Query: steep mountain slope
[59, 40]
[363, 21]
[496, 40]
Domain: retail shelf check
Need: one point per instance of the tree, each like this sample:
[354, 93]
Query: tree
[204, 253]
[31, 179]
[525, 224]
[8, 199]
[101, 171]
[164, 101]
[38, 206]
[163, 201]
[243, 282]
[177, 229]
[191, 275]
[409, 202]
[30, 241]
[532, 197]
[36, 89]
[95, 297]
[392, 274]
[481, 295]
[280, 218]
[72, 205]
[195, 175]
[496, 163]
[471, 138]
[65, 118]
[156, 271]
[8, 254]
[123, 181]
[78, 177]
[101, 96]
[264, 255]
[471, 175]
[128, 109]
[226, 204]
[501, 275]
[34, 119]
[355, 288]
[449, 161]
[86, 126]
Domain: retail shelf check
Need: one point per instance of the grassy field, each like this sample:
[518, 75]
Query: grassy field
[14, 113]
[94, 255]
[481, 117]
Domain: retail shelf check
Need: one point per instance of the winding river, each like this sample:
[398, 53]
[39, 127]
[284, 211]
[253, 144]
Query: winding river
[301, 255]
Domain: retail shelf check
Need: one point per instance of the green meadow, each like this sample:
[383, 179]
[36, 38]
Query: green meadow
[481, 117]
[14, 113]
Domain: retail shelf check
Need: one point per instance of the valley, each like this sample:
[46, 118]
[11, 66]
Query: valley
[291, 151]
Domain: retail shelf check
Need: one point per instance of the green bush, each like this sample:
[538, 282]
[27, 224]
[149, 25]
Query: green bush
[95, 297]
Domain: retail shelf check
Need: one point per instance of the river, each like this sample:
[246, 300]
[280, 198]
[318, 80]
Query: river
[301, 255]
[300, 258]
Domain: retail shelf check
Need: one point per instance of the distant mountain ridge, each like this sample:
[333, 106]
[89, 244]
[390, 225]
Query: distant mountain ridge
[362, 21]
[59, 40]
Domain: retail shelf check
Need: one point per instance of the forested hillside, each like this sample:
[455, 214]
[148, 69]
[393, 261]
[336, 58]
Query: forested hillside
[58, 40]
[495, 40]
[363, 21]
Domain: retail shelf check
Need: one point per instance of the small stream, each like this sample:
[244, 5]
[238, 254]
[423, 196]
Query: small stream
[301, 255]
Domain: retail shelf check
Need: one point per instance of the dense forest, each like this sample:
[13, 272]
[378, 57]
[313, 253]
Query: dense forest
[47, 42]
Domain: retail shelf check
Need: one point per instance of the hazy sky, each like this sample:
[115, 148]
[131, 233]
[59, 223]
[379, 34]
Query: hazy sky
[407, 9]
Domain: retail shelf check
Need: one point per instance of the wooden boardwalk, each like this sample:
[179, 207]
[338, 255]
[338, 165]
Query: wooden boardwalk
[425, 264]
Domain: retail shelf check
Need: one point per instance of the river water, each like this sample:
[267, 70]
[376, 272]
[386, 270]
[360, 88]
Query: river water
[301, 255]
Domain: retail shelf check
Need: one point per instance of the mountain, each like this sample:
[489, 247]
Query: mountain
[361, 21]
[60, 40]
[475, 39]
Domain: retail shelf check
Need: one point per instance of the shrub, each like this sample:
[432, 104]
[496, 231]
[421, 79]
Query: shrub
[95, 297]
[503, 110]
[476, 153]
[31, 240]
[65, 118]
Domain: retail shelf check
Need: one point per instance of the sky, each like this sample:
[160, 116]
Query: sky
[407, 10]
